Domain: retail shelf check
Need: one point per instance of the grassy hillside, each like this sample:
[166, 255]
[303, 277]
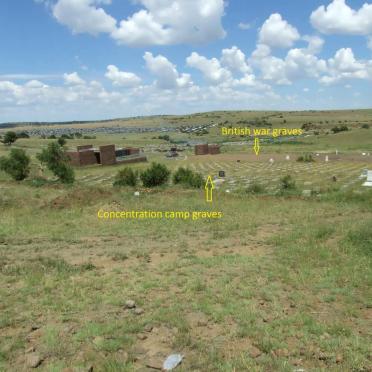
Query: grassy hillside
[281, 282]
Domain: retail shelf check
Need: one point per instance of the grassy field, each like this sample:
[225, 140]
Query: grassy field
[278, 283]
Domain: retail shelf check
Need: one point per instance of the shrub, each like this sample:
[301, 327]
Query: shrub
[61, 141]
[365, 126]
[17, 165]
[287, 183]
[9, 138]
[307, 158]
[188, 178]
[126, 177]
[341, 128]
[255, 188]
[23, 135]
[165, 137]
[55, 158]
[156, 175]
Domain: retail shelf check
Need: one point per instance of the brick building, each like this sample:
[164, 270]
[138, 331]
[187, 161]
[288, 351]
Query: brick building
[206, 149]
[105, 155]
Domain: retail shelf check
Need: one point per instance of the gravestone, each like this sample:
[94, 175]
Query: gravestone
[327, 159]
[368, 183]
[288, 157]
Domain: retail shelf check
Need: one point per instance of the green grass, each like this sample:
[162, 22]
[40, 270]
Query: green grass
[280, 273]
[79, 271]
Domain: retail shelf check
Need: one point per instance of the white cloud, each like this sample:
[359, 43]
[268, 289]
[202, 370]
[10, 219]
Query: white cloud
[234, 59]
[298, 64]
[212, 70]
[83, 16]
[73, 79]
[344, 66]
[167, 76]
[315, 45]
[339, 18]
[166, 22]
[277, 32]
[122, 78]
[244, 26]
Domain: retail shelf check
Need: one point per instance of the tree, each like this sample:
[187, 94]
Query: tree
[61, 141]
[56, 160]
[17, 165]
[9, 138]
[156, 175]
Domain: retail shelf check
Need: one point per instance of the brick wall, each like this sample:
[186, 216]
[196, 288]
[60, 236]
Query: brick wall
[214, 149]
[201, 150]
[108, 156]
[87, 157]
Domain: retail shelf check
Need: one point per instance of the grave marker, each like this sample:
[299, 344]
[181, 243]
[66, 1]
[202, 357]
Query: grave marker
[368, 183]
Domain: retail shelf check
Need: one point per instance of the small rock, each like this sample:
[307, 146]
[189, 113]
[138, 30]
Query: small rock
[138, 311]
[155, 363]
[292, 305]
[254, 352]
[339, 358]
[323, 356]
[90, 369]
[33, 360]
[34, 327]
[148, 328]
[130, 304]
[142, 336]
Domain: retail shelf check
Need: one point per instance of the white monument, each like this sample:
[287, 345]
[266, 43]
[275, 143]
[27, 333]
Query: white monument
[288, 158]
[327, 159]
[368, 183]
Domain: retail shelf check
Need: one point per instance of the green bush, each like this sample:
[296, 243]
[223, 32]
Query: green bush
[61, 141]
[365, 126]
[156, 175]
[255, 188]
[188, 178]
[341, 128]
[56, 160]
[306, 158]
[9, 138]
[126, 177]
[17, 165]
[287, 183]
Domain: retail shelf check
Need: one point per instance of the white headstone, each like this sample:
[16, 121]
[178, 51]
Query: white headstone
[271, 161]
[137, 193]
[368, 183]
[288, 157]
[327, 159]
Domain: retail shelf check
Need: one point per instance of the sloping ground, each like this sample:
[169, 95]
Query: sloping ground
[276, 284]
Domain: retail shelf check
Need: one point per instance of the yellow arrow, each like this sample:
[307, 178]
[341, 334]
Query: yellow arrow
[209, 187]
[256, 146]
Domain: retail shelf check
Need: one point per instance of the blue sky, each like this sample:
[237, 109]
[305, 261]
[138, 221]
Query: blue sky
[97, 59]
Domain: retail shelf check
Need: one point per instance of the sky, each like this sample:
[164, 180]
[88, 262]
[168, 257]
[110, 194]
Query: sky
[65, 60]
